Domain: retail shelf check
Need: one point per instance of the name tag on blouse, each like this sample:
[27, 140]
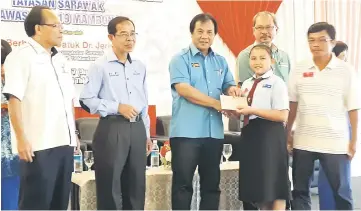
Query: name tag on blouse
[113, 74]
[268, 86]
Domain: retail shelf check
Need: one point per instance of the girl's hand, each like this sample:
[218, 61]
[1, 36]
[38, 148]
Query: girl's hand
[245, 110]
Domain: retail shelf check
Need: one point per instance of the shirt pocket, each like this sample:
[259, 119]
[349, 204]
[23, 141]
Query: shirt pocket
[218, 75]
[195, 74]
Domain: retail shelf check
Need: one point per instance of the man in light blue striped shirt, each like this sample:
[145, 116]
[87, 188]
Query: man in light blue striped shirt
[117, 91]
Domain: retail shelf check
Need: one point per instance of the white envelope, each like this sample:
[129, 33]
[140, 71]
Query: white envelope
[231, 103]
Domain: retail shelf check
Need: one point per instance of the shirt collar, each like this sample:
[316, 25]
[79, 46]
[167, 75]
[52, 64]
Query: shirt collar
[267, 74]
[274, 48]
[111, 57]
[40, 49]
[331, 64]
[194, 50]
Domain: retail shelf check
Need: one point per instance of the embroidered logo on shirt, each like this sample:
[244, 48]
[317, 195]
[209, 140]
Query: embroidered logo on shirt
[220, 71]
[195, 64]
[267, 86]
[136, 73]
[113, 74]
[308, 74]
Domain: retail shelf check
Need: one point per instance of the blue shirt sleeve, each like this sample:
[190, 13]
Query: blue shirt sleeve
[90, 94]
[178, 71]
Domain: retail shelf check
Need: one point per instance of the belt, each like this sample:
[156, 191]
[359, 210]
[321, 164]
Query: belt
[120, 117]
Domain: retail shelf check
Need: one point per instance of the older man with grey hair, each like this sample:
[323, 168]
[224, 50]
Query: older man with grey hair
[265, 28]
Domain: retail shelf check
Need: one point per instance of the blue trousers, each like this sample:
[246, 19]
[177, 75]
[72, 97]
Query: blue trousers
[10, 193]
[326, 198]
[337, 169]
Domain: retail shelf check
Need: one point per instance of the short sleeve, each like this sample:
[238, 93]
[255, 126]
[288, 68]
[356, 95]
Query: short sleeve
[292, 86]
[280, 99]
[16, 76]
[178, 71]
[353, 90]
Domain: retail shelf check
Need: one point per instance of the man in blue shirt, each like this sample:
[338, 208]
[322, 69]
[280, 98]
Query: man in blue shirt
[198, 77]
[117, 91]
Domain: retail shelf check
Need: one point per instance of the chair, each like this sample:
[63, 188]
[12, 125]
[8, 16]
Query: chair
[86, 127]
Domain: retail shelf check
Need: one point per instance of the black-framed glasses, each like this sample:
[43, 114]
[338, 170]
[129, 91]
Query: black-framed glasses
[54, 25]
[322, 40]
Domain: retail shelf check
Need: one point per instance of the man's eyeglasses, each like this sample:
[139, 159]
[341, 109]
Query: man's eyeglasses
[261, 28]
[322, 40]
[126, 35]
[54, 25]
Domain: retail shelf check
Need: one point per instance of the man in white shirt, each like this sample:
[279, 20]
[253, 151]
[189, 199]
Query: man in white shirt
[322, 91]
[40, 93]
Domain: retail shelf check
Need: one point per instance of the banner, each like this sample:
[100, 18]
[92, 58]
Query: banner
[162, 25]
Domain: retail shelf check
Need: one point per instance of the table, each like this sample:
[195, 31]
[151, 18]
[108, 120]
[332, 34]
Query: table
[158, 189]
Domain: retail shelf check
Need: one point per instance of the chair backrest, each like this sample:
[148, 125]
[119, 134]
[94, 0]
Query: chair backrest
[86, 127]
[163, 124]
[234, 125]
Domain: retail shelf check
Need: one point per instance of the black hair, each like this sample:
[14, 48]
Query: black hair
[203, 17]
[112, 25]
[339, 48]
[261, 46]
[5, 50]
[35, 17]
[321, 26]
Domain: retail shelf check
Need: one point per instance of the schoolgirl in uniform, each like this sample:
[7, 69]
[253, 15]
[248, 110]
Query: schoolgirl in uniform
[263, 171]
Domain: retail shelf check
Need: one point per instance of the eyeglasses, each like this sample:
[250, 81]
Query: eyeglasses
[261, 28]
[322, 40]
[54, 25]
[126, 35]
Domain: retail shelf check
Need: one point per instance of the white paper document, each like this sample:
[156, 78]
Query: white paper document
[231, 103]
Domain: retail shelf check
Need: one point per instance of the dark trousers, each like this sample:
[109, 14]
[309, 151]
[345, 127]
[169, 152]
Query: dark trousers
[46, 182]
[187, 154]
[120, 162]
[336, 169]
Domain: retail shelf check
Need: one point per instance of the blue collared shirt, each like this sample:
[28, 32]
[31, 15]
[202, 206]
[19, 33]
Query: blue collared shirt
[211, 76]
[112, 83]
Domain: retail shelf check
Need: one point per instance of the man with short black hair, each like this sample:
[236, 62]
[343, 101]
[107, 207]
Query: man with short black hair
[198, 77]
[117, 90]
[41, 93]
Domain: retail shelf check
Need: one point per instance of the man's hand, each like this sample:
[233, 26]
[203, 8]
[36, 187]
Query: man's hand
[127, 111]
[351, 149]
[234, 91]
[290, 143]
[149, 146]
[25, 151]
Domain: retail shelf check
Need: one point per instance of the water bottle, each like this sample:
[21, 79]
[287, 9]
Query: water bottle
[78, 161]
[154, 155]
